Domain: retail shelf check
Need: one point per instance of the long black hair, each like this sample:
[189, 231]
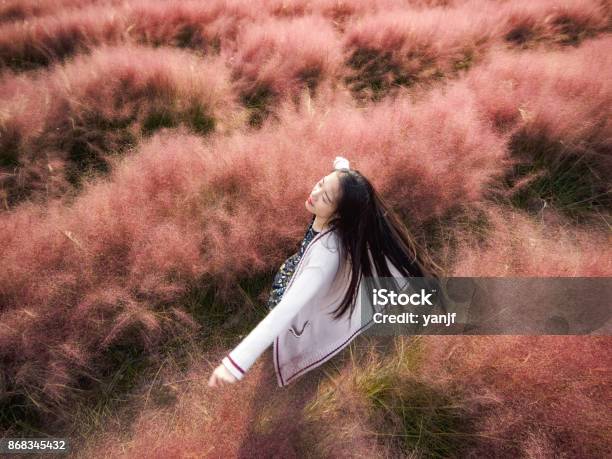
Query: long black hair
[362, 221]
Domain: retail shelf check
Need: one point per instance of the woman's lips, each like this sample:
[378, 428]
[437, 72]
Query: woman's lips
[310, 200]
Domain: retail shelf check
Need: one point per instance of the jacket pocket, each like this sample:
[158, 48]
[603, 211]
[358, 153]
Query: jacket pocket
[298, 331]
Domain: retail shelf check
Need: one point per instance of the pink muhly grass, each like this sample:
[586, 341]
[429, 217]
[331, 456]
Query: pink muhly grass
[109, 266]
[285, 55]
[128, 86]
[395, 49]
[552, 387]
[122, 237]
[13, 10]
[418, 46]
[424, 157]
[515, 393]
[439, 35]
[231, 421]
[518, 246]
[124, 232]
[338, 11]
[532, 83]
[41, 41]
[44, 40]
[97, 264]
[525, 23]
[205, 27]
[174, 76]
[202, 422]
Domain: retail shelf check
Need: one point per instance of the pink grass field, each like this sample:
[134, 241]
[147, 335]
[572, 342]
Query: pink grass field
[151, 149]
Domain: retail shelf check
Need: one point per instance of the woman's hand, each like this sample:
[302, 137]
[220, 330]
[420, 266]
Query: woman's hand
[221, 376]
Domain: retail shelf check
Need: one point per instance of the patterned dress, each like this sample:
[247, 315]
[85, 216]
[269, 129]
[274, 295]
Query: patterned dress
[287, 269]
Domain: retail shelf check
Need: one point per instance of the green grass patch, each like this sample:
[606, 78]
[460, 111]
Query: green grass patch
[432, 422]
[9, 155]
[310, 77]
[258, 102]
[91, 140]
[195, 116]
[416, 417]
[403, 412]
[465, 62]
[374, 73]
[198, 119]
[564, 179]
[158, 119]
[225, 314]
[520, 35]
[439, 234]
[570, 32]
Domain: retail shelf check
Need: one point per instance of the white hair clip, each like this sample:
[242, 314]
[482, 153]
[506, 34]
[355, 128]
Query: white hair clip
[341, 163]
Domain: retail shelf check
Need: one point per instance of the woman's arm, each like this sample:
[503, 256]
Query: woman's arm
[313, 280]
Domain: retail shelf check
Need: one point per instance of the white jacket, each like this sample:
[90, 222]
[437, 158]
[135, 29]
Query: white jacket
[302, 331]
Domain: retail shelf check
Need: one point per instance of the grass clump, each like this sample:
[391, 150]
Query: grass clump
[258, 103]
[556, 176]
[390, 404]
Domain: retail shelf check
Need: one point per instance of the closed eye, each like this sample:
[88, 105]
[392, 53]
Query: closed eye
[321, 182]
[325, 194]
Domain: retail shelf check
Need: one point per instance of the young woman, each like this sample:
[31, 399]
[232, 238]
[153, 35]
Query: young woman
[315, 307]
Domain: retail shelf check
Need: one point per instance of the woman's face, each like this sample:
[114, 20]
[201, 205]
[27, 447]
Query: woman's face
[323, 198]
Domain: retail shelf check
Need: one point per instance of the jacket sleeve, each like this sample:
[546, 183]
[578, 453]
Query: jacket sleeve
[314, 280]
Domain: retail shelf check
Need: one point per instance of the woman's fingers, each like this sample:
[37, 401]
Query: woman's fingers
[213, 381]
[220, 377]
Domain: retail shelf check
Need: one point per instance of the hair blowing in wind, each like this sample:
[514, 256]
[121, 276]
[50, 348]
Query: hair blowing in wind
[363, 221]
